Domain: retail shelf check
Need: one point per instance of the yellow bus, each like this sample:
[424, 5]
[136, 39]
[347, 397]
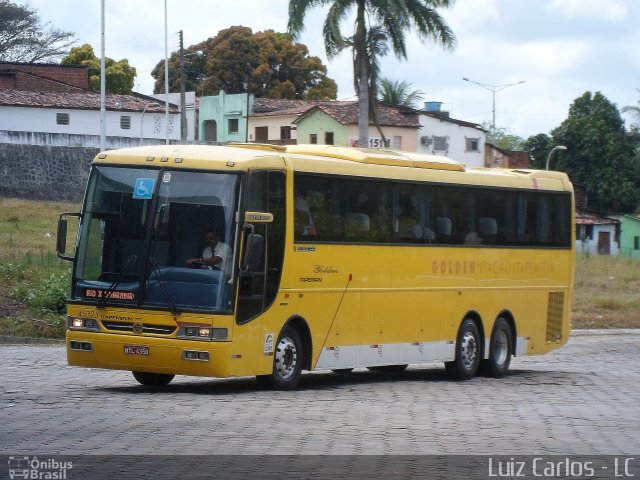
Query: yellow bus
[257, 260]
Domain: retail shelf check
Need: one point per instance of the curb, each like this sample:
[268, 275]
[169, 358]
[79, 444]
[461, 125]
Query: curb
[11, 340]
[605, 331]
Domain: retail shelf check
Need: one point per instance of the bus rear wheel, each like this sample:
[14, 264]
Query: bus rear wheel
[153, 379]
[287, 362]
[468, 352]
[500, 349]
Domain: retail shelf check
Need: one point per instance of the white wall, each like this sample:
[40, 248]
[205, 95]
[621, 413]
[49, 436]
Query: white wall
[455, 133]
[190, 111]
[590, 245]
[87, 122]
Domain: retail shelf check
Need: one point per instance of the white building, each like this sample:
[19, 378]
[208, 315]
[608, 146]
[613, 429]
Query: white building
[441, 135]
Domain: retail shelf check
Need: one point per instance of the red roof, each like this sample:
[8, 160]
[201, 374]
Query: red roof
[85, 100]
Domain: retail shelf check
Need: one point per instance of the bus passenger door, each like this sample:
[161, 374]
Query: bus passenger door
[260, 266]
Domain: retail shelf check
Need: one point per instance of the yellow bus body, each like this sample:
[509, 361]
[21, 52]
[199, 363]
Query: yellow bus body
[365, 305]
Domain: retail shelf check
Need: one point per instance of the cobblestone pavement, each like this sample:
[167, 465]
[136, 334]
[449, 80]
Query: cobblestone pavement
[583, 399]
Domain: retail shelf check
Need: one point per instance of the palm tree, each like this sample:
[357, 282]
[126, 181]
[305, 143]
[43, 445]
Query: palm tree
[635, 111]
[398, 93]
[395, 17]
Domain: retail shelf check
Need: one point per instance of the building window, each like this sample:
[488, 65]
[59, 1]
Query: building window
[472, 144]
[233, 125]
[397, 142]
[440, 144]
[313, 138]
[285, 133]
[125, 122]
[62, 118]
[636, 242]
[328, 138]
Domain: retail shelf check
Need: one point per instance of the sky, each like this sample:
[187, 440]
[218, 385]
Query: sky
[559, 48]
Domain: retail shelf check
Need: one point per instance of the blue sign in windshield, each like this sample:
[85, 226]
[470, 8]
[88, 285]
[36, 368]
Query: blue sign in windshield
[143, 189]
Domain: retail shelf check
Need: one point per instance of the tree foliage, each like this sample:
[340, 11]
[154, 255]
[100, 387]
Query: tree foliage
[600, 153]
[24, 38]
[539, 146]
[394, 17]
[634, 110]
[398, 93]
[267, 64]
[503, 137]
[120, 76]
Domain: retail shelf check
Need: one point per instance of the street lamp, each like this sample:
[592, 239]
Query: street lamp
[493, 89]
[152, 104]
[557, 147]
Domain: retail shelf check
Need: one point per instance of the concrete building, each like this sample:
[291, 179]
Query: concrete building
[51, 105]
[439, 134]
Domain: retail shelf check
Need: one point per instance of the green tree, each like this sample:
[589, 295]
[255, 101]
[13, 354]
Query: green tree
[600, 153]
[503, 137]
[398, 93]
[538, 147]
[267, 64]
[120, 76]
[395, 17]
[24, 38]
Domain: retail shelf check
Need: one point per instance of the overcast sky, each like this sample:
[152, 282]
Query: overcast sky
[560, 48]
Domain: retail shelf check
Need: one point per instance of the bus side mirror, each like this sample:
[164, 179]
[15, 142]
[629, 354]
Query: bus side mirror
[61, 239]
[253, 250]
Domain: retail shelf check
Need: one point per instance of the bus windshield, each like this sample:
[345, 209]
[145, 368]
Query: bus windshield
[145, 237]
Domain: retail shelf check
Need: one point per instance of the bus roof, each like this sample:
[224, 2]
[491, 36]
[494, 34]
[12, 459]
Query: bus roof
[320, 159]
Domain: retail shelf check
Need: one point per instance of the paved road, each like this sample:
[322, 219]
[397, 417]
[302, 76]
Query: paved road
[583, 399]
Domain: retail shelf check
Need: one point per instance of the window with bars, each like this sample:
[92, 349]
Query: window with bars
[125, 122]
[62, 118]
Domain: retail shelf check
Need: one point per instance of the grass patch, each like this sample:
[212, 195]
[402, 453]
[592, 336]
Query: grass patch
[606, 293]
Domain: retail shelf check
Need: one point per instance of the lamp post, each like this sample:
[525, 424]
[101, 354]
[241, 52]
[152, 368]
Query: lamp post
[153, 104]
[493, 89]
[557, 147]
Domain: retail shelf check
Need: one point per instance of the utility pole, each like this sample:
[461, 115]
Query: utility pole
[183, 113]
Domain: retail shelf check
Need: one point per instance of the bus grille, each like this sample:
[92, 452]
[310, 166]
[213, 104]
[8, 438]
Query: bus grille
[146, 328]
[554, 316]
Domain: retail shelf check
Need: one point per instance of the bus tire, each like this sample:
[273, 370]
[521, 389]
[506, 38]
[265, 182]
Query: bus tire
[468, 352]
[287, 362]
[500, 350]
[153, 379]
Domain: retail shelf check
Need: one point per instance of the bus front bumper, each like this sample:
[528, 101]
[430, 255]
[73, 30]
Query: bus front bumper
[147, 354]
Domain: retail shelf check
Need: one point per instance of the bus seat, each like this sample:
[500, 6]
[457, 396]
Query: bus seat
[358, 222]
[444, 226]
[487, 226]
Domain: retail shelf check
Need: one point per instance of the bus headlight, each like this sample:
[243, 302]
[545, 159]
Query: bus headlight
[77, 323]
[202, 333]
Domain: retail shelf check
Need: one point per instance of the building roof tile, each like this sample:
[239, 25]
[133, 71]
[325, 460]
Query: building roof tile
[85, 100]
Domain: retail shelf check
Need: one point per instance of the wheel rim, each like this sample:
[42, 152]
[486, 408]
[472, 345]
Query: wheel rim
[468, 350]
[286, 358]
[501, 347]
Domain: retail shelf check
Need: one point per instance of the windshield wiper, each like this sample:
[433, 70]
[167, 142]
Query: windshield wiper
[103, 301]
[163, 287]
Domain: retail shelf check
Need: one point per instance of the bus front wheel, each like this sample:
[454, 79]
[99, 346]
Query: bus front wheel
[500, 349]
[287, 362]
[153, 379]
[468, 352]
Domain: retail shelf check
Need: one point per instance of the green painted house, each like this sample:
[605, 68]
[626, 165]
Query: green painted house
[630, 236]
[223, 117]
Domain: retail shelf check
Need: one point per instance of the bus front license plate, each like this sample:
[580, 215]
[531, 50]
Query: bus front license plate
[136, 350]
